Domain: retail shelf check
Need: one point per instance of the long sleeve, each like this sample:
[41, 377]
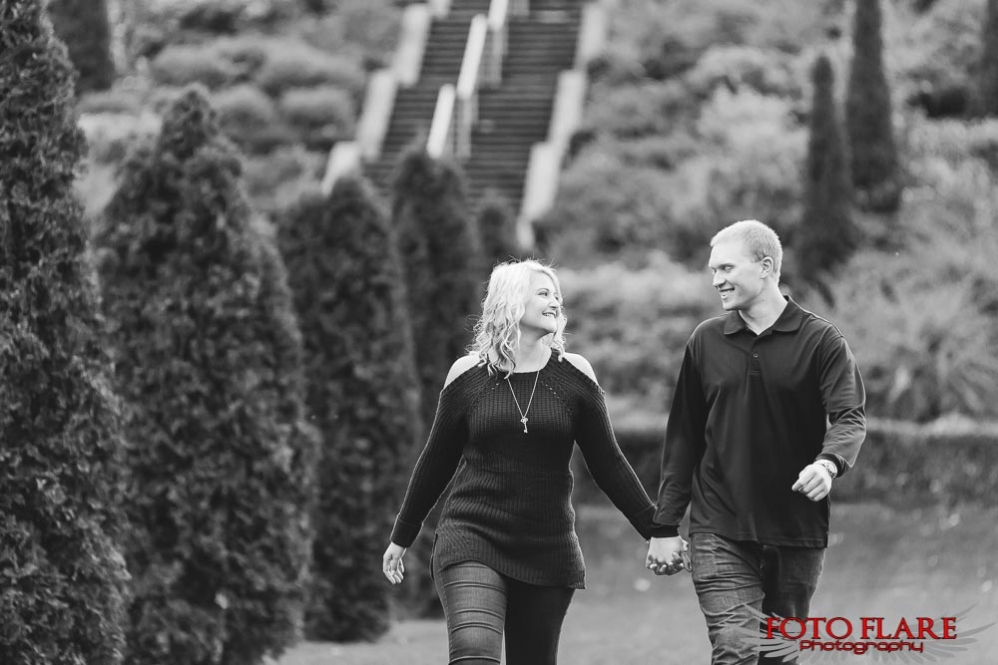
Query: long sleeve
[844, 398]
[607, 464]
[435, 466]
[684, 446]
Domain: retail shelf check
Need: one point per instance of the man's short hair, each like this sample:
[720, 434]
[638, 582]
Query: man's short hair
[760, 240]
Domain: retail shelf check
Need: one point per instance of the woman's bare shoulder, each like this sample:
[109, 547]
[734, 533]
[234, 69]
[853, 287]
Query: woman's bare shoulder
[460, 366]
[582, 365]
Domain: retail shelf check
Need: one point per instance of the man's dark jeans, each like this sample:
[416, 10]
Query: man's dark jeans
[732, 576]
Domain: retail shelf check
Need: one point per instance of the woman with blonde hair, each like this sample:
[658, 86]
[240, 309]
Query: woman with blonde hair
[506, 558]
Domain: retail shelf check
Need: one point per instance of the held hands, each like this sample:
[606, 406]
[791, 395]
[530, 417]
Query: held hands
[666, 556]
[814, 481]
[391, 563]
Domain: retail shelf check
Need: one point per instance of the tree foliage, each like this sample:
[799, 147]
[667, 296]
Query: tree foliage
[827, 235]
[874, 159]
[497, 226]
[987, 74]
[443, 271]
[84, 26]
[208, 358]
[441, 252]
[346, 276]
[63, 577]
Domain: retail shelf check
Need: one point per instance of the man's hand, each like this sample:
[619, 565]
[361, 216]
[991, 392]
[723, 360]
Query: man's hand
[665, 555]
[814, 482]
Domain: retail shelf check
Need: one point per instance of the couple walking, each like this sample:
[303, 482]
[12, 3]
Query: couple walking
[767, 411]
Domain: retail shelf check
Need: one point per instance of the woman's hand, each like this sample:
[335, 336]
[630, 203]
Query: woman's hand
[391, 563]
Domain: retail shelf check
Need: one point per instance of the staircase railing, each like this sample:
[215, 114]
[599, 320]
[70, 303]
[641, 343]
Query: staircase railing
[541, 184]
[496, 41]
[468, 83]
[440, 142]
[379, 98]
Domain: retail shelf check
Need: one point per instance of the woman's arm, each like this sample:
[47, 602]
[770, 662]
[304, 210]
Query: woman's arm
[606, 462]
[439, 458]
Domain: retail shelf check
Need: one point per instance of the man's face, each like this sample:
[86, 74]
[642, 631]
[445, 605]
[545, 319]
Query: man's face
[737, 277]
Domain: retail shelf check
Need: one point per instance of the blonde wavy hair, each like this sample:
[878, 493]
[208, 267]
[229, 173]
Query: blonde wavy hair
[497, 331]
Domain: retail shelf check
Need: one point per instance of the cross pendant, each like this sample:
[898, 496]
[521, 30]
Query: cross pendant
[524, 421]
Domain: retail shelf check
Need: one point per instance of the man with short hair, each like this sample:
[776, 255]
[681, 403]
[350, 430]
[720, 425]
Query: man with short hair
[767, 412]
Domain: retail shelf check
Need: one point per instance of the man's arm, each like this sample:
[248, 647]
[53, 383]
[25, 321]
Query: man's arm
[684, 444]
[844, 397]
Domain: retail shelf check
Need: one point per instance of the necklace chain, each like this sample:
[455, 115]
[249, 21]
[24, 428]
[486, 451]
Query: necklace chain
[523, 413]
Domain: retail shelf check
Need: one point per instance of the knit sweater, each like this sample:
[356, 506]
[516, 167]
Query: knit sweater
[509, 505]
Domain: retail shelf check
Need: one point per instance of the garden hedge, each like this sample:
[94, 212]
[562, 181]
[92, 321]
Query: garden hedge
[363, 395]
[63, 577]
[208, 359]
[902, 464]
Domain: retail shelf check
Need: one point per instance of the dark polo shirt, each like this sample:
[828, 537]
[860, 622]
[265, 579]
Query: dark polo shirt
[749, 412]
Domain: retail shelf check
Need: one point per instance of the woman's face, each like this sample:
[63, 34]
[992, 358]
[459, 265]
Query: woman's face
[542, 306]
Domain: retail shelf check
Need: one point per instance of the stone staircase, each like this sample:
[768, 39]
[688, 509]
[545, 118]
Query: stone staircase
[512, 117]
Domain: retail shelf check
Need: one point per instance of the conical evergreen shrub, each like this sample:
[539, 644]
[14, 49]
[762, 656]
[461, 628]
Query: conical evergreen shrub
[62, 578]
[874, 161]
[208, 359]
[497, 226]
[443, 265]
[986, 95]
[444, 275]
[827, 234]
[363, 394]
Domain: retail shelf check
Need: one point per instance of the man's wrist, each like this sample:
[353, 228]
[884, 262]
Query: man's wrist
[829, 466]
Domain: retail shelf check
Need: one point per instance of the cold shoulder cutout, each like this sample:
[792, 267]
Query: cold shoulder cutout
[583, 365]
[460, 366]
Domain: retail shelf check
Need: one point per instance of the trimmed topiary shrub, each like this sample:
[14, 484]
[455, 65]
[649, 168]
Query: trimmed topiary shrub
[208, 359]
[63, 577]
[441, 252]
[827, 235]
[251, 119]
[444, 272]
[363, 394]
[185, 64]
[293, 64]
[497, 227]
[874, 160]
[986, 100]
[83, 26]
[320, 116]
[902, 464]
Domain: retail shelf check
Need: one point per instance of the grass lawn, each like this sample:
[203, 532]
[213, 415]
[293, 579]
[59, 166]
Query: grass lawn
[881, 562]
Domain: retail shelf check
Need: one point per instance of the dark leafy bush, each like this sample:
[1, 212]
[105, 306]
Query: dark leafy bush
[869, 125]
[83, 26]
[937, 57]
[266, 176]
[949, 462]
[320, 116]
[444, 271]
[185, 64]
[294, 64]
[827, 235]
[250, 118]
[632, 323]
[60, 443]
[497, 226]
[367, 29]
[208, 360]
[346, 275]
[986, 97]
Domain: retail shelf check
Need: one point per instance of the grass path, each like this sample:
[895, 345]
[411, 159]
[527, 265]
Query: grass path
[881, 562]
